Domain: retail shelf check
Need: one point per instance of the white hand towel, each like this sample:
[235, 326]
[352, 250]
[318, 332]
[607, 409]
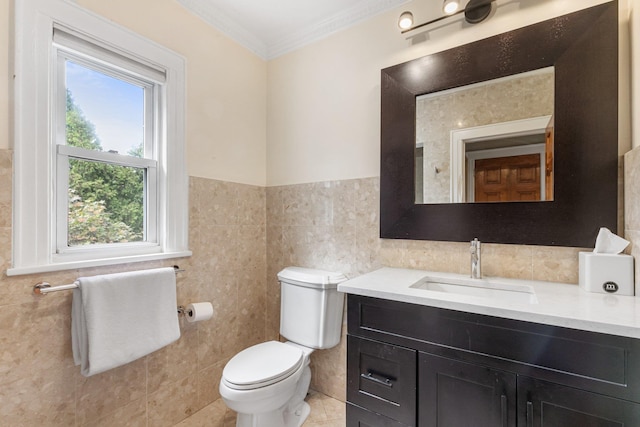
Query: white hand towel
[118, 318]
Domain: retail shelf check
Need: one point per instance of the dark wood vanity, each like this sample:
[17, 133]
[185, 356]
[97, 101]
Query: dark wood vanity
[412, 363]
[415, 365]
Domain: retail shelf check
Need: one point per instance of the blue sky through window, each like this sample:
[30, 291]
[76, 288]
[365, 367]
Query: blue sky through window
[115, 107]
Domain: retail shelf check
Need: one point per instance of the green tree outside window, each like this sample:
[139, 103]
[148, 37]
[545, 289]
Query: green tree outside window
[106, 202]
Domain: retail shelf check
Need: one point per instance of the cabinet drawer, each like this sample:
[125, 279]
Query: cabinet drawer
[359, 417]
[382, 376]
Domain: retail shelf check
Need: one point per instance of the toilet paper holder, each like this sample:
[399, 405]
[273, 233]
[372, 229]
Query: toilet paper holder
[196, 312]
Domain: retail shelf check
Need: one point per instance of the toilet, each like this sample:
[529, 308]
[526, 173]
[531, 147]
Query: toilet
[266, 384]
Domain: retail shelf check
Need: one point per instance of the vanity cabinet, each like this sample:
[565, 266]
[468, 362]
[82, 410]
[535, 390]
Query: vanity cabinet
[414, 365]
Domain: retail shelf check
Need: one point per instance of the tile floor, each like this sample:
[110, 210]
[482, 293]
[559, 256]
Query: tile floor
[325, 412]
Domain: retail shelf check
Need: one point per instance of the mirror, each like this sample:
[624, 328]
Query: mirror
[487, 142]
[582, 50]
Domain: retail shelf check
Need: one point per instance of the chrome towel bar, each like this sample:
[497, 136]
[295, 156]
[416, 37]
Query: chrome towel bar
[44, 288]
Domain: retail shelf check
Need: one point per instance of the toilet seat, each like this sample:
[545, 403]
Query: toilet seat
[262, 365]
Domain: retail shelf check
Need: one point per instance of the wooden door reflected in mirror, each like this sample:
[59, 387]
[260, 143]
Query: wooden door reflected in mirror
[507, 179]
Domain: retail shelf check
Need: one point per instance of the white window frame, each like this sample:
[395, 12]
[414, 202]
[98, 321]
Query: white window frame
[72, 47]
[35, 247]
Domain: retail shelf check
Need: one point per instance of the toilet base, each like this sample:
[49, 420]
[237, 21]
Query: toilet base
[297, 417]
[294, 418]
[292, 414]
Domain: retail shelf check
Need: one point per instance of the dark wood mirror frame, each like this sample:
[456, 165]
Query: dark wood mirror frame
[583, 48]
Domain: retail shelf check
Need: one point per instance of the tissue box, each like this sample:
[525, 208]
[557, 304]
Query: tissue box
[606, 273]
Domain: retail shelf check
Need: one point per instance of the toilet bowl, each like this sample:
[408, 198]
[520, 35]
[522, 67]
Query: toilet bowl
[266, 384]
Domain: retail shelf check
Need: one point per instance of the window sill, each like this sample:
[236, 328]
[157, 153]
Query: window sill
[18, 271]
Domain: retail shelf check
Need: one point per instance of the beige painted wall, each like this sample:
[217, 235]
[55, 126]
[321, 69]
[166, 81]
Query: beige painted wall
[226, 96]
[324, 99]
[226, 88]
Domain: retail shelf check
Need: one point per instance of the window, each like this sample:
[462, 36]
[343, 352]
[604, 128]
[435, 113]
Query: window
[99, 149]
[105, 109]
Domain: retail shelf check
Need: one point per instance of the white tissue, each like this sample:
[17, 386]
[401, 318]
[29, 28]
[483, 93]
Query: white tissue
[609, 243]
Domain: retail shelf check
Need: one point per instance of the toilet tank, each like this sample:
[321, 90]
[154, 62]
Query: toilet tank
[311, 306]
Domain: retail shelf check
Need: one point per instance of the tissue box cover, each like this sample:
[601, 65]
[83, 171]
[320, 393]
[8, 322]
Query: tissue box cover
[606, 273]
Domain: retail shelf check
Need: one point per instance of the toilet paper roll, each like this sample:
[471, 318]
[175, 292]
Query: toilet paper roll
[199, 311]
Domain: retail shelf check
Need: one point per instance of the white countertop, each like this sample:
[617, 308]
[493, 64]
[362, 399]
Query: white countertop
[557, 303]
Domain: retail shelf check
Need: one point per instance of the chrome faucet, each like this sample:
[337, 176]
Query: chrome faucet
[476, 260]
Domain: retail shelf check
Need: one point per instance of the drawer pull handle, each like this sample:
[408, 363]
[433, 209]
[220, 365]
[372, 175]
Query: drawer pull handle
[505, 410]
[385, 382]
[529, 414]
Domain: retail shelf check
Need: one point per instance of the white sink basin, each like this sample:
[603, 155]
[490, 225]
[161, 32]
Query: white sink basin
[483, 288]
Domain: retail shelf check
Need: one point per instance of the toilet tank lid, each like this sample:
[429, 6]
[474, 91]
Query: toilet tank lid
[311, 277]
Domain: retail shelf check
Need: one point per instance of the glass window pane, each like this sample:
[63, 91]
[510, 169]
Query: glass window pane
[106, 203]
[103, 113]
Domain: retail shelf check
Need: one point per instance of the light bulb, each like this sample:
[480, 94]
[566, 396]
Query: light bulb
[405, 21]
[450, 6]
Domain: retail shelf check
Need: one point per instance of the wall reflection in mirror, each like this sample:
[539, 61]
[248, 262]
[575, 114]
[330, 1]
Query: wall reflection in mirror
[487, 142]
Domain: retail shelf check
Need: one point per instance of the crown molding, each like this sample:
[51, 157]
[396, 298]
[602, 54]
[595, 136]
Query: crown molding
[338, 22]
[292, 41]
[228, 26]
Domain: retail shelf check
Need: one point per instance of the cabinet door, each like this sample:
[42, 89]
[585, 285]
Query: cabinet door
[382, 378]
[544, 404]
[454, 393]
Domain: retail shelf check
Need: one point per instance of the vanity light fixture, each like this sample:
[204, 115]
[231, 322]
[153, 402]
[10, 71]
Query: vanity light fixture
[475, 12]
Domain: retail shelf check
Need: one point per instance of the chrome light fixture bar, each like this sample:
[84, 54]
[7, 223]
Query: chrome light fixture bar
[475, 12]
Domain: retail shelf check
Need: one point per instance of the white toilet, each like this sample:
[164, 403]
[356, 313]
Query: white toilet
[266, 384]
